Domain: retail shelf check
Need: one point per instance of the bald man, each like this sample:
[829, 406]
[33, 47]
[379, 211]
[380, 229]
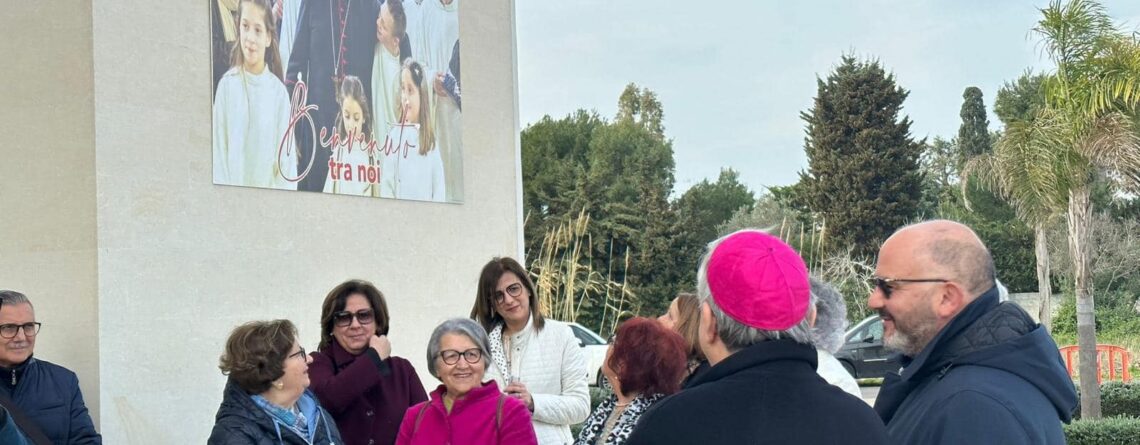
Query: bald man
[975, 370]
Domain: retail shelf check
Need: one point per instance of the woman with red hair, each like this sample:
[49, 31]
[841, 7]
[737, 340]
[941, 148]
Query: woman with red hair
[645, 363]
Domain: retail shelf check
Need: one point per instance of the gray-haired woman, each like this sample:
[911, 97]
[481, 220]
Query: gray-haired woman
[828, 317]
[464, 410]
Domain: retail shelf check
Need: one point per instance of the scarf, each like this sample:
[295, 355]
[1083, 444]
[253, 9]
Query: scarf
[291, 418]
[498, 355]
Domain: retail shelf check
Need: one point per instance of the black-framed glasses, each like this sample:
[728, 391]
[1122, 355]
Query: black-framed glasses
[887, 284]
[10, 330]
[451, 356]
[344, 318]
[513, 290]
[299, 354]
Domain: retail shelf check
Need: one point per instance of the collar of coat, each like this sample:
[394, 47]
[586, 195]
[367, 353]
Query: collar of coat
[765, 353]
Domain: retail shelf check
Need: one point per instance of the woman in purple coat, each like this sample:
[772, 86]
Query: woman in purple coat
[364, 387]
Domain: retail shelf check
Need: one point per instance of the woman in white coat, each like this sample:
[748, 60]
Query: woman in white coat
[536, 360]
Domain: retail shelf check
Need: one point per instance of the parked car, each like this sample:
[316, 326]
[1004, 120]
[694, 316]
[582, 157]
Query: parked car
[594, 348]
[863, 354]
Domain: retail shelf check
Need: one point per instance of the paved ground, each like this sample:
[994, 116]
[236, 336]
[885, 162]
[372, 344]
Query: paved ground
[869, 393]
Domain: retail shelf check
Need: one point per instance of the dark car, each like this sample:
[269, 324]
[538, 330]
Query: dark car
[863, 354]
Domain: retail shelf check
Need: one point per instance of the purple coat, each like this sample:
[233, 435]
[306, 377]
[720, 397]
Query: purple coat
[365, 395]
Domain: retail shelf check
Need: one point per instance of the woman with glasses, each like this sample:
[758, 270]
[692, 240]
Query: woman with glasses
[464, 410]
[359, 381]
[266, 400]
[537, 361]
[644, 364]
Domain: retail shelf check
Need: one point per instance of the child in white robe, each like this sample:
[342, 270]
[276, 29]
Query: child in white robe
[252, 145]
[349, 172]
[412, 167]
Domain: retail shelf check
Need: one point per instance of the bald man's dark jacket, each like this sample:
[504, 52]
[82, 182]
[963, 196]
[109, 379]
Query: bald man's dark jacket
[992, 375]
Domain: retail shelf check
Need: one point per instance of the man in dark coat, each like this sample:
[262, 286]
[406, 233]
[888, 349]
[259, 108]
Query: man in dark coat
[762, 387]
[975, 370]
[334, 38]
[48, 394]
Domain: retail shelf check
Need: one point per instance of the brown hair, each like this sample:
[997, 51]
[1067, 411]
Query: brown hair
[351, 87]
[272, 53]
[338, 297]
[399, 19]
[427, 135]
[255, 353]
[484, 309]
[688, 324]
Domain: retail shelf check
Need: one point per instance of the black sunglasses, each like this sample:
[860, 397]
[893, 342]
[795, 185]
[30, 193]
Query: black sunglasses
[887, 284]
[344, 318]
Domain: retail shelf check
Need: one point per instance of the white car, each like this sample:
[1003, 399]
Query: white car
[594, 348]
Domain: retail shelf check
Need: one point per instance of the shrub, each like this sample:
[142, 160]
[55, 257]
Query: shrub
[1109, 431]
[1118, 399]
[1115, 315]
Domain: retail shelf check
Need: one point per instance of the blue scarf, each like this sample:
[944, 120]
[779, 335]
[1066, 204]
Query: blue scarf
[293, 419]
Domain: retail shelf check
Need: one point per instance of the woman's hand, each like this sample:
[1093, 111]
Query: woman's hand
[380, 344]
[518, 390]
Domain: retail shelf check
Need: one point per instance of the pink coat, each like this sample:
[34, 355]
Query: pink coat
[470, 422]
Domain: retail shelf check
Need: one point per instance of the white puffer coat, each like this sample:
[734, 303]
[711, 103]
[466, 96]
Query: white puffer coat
[554, 371]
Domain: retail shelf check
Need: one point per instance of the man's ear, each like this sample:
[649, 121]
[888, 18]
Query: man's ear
[707, 326]
[952, 298]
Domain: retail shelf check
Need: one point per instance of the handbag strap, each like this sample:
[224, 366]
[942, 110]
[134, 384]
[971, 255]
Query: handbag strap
[29, 428]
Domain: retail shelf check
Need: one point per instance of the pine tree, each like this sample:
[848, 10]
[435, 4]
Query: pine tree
[863, 176]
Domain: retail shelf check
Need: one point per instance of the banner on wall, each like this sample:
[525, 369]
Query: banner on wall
[353, 97]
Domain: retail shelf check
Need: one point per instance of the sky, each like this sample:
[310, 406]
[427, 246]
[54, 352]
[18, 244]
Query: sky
[734, 76]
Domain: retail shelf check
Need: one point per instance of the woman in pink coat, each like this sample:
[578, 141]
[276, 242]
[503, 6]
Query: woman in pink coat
[464, 410]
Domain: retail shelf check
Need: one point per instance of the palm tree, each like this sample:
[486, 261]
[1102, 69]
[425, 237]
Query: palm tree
[1089, 124]
[1020, 170]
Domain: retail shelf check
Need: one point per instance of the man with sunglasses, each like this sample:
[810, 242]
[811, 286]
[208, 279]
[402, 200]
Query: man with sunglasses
[975, 370]
[48, 394]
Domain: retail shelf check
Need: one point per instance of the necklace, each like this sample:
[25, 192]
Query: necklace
[338, 50]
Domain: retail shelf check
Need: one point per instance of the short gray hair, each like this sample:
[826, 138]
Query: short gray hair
[734, 334]
[830, 316]
[462, 326]
[13, 297]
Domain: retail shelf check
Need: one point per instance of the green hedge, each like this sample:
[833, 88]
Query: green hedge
[1109, 431]
[1115, 316]
[1118, 399]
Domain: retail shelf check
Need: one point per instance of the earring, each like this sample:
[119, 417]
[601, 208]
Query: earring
[279, 384]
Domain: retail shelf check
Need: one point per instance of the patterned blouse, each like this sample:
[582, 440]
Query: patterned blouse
[596, 424]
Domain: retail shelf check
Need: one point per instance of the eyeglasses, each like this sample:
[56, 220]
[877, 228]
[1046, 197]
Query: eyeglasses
[10, 330]
[344, 318]
[299, 354]
[513, 290]
[887, 284]
[451, 356]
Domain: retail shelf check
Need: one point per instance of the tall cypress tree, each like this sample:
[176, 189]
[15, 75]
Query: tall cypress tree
[974, 133]
[863, 173]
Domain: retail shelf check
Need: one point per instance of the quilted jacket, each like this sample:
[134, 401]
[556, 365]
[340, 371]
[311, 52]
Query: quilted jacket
[554, 371]
[992, 375]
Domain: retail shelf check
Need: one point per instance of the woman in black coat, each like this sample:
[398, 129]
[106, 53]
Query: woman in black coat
[266, 400]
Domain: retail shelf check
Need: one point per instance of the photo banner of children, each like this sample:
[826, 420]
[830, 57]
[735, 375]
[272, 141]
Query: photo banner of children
[353, 97]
